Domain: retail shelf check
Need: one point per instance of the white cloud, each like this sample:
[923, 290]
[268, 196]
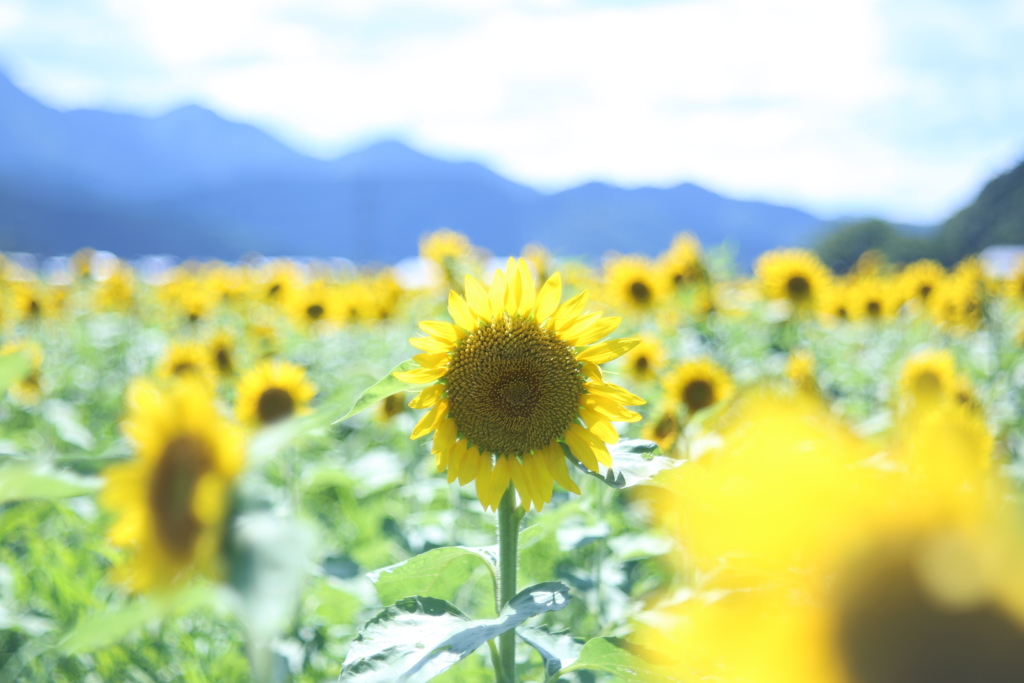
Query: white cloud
[793, 100]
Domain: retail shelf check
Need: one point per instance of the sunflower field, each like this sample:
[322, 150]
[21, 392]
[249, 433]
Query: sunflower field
[530, 469]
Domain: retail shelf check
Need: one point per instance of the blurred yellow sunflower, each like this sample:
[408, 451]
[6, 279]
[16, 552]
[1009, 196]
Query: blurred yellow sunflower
[683, 263]
[873, 299]
[187, 359]
[515, 376]
[928, 376]
[820, 562]
[921, 278]
[31, 302]
[117, 291]
[697, 385]
[800, 371]
[276, 281]
[173, 497]
[222, 353]
[540, 259]
[793, 275]
[444, 246]
[645, 359]
[312, 304]
[632, 282]
[663, 430]
[390, 406]
[959, 302]
[29, 389]
[271, 392]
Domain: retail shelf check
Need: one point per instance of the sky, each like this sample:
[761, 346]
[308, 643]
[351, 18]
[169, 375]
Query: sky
[896, 108]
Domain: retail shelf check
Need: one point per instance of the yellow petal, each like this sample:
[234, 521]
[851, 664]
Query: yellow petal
[615, 393]
[592, 372]
[421, 375]
[500, 477]
[444, 437]
[429, 421]
[539, 477]
[569, 311]
[431, 360]
[427, 397]
[470, 466]
[483, 478]
[606, 351]
[498, 293]
[515, 289]
[441, 331]
[597, 331]
[555, 459]
[476, 297]
[459, 310]
[582, 324]
[601, 427]
[610, 409]
[548, 297]
[527, 290]
[457, 459]
[596, 445]
[581, 449]
[431, 345]
[515, 471]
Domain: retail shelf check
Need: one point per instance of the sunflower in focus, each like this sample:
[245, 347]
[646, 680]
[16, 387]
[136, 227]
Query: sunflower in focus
[271, 392]
[187, 360]
[29, 389]
[173, 498]
[514, 378]
[645, 359]
[928, 376]
[697, 385]
[793, 275]
[632, 282]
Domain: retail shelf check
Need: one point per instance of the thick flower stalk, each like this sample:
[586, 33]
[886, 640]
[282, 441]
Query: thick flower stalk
[514, 377]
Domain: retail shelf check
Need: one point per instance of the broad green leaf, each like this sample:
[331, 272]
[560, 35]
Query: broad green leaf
[419, 638]
[558, 650]
[611, 656]
[385, 386]
[13, 368]
[19, 481]
[70, 429]
[99, 630]
[438, 573]
[634, 462]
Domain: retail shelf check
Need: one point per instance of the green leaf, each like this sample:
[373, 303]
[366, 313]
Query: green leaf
[65, 420]
[438, 573]
[634, 462]
[385, 386]
[13, 368]
[418, 638]
[97, 631]
[611, 656]
[558, 650]
[19, 481]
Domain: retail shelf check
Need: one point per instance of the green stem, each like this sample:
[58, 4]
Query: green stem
[508, 541]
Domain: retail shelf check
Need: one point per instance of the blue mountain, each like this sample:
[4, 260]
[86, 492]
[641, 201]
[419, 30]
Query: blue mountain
[190, 183]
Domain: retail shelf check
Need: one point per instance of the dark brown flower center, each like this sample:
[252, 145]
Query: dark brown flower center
[640, 292]
[315, 312]
[183, 462]
[698, 394]
[275, 404]
[513, 386]
[798, 289]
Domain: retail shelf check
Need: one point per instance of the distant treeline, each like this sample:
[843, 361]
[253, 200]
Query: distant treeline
[995, 217]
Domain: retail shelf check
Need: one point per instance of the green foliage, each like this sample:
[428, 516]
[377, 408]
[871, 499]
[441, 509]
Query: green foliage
[843, 245]
[611, 655]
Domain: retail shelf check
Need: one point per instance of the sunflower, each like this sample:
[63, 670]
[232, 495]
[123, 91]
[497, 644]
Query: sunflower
[663, 430]
[683, 263]
[793, 275]
[645, 359]
[390, 406]
[539, 259]
[222, 353]
[271, 392]
[173, 498]
[512, 383]
[800, 371]
[187, 359]
[632, 282]
[697, 385]
[29, 389]
[81, 262]
[921, 278]
[312, 305]
[873, 299]
[834, 304]
[823, 563]
[277, 280]
[959, 302]
[117, 291]
[928, 376]
[32, 302]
